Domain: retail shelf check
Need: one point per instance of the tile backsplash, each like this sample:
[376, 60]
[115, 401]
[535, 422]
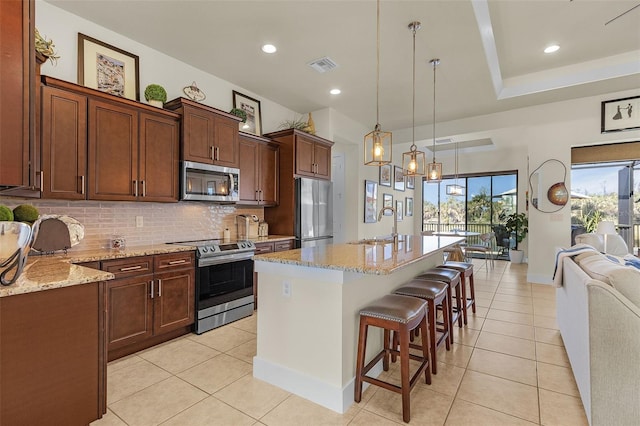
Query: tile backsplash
[162, 222]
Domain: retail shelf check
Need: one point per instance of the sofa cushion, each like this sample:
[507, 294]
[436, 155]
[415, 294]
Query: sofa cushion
[625, 279]
[615, 243]
[594, 240]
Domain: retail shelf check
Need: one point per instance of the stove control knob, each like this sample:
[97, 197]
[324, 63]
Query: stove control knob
[212, 249]
[241, 245]
[204, 249]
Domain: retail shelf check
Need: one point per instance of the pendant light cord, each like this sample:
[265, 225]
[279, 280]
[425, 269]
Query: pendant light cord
[378, 67]
[435, 64]
[413, 118]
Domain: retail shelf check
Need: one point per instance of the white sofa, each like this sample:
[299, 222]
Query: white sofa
[598, 313]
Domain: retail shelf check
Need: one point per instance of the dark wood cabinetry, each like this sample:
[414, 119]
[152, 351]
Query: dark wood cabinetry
[258, 171]
[209, 135]
[99, 147]
[52, 356]
[312, 156]
[151, 300]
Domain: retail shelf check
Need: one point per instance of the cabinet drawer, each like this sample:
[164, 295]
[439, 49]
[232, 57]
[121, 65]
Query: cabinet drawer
[170, 261]
[262, 248]
[93, 265]
[283, 245]
[129, 267]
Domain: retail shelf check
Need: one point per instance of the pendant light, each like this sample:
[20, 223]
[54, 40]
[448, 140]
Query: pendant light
[455, 189]
[434, 170]
[378, 143]
[413, 161]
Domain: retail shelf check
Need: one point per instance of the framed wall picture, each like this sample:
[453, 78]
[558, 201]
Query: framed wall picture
[108, 68]
[411, 182]
[251, 106]
[620, 114]
[370, 201]
[408, 209]
[399, 210]
[398, 182]
[385, 175]
[387, 201]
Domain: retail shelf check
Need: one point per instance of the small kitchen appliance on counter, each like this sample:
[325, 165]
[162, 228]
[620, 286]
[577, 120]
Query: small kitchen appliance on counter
[16, 239]
[247, 226]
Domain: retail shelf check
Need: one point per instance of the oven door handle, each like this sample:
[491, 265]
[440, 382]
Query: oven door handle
[228, 258]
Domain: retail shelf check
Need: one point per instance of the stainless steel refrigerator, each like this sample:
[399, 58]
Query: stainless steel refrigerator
[313, 223]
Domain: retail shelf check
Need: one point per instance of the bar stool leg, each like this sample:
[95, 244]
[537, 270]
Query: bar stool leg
[446, 318]
[433, 335]
[386, 346]
[449, 316]
[362, 339]
[404, 372]
[460, 305]
[473, 293]
[426, 351]
[463, 283]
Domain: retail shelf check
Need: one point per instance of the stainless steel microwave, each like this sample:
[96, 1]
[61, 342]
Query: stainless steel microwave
[206, 182]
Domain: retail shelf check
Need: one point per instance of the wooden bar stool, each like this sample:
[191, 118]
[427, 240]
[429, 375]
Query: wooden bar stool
[399, 314]
[466, 271]
[435, 293]
[451, 277]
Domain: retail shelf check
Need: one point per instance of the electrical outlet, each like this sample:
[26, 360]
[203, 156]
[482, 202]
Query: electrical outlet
[286, 288]
[139, 222]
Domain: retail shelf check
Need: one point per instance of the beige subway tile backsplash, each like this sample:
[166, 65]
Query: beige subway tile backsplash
[162, 222]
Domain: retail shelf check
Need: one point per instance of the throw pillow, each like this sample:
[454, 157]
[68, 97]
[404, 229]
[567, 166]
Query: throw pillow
[594, 240]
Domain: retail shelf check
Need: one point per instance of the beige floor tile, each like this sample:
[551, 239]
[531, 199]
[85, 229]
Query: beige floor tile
[512, 307]
[548, 311]
[474, 322]
[552, 354]
[485, 290]
[427, 407]
[480, 312]
[223, 338]
[507, 345]
[509, 329]
[505, 366]
[249, 324]
[245, 351]
[520, 280]
[216, 373]
[447, 380]
[158, 402]
[561, 410]
[210, 412]
[367, 418]
[178, 355]
[514, 291]
[297, 411]
[503, 395]
[465, 414]
[518, 318]
[525, 300]
[557, 379]
[252, 396]
[543, 295]
[459, 355]
[549, 336]
[484, 302]
[109, 419]
[545, 322]
[123, 362]
[465, 335]
[131, 379]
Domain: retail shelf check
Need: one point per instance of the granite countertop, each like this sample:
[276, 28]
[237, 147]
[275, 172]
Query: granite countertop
[272, 238]
[59, 270]
[379, 258]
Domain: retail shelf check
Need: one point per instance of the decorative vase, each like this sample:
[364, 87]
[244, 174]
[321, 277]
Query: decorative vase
[157, 104]
[516, 256]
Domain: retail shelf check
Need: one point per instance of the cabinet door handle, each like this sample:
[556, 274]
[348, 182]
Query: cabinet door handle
[151, 288]
[159, 288]
[177, 262]
[135, 188]
[144, 188]
[82, 185]
[131, 268]
[42, 181]
[212, 153]
[261, 196]
[217, 153]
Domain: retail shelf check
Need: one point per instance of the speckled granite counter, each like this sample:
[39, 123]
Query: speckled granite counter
[56, 271]
[378, 259]
[272, 238]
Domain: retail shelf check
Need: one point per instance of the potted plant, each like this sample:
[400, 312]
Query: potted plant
[45, 48]
[240, 113]
[517, 224]
[155, 95]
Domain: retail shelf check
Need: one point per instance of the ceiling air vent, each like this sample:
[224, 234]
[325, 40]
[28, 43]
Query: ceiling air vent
[323, 64]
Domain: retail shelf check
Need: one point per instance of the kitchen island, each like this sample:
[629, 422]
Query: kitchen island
[309, 304]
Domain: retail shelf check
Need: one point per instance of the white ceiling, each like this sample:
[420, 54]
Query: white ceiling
[491, 51]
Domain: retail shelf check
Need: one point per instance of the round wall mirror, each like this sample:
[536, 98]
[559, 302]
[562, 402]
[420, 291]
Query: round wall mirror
[547, 187]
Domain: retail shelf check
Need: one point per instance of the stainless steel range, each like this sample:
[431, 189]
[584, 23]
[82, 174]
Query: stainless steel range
[224, 282]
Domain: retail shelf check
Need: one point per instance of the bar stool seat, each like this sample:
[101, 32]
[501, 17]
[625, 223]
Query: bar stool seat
[451, 277]
[435, 293]
[466, 271]
[399, 314]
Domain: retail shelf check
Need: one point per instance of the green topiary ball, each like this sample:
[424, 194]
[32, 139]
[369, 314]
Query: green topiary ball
[26, 213]
[155, 92]
[6, 214]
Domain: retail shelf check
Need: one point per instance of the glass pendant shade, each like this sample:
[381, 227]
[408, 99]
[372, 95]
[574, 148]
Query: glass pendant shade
[434, 172]
[455, 189]
[413, 162]
[377, 147]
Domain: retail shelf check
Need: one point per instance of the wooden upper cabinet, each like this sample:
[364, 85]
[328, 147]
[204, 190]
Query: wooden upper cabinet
[159, 158]
[113, 152]
[313, 156]
[209, 135]
[322, 159]
[64, 144]
[304, 149]
[258, 170]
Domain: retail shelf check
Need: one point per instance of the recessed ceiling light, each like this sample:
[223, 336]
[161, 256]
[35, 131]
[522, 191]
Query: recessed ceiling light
[335, 91]
[552, 48]
[269, 48]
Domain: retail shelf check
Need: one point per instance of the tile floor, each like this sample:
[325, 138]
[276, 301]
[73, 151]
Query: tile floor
[507, 367]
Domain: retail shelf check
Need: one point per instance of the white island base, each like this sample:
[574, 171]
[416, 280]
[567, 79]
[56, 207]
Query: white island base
[308, 315]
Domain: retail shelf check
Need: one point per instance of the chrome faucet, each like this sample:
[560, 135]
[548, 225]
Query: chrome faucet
[394, 232]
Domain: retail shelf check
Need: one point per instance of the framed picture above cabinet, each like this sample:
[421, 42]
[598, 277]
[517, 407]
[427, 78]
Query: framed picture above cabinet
[253, 123]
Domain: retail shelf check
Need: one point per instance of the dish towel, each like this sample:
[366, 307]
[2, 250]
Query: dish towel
[570, 252]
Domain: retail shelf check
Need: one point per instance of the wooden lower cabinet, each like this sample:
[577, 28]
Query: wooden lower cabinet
[152, 302]
[52, 356]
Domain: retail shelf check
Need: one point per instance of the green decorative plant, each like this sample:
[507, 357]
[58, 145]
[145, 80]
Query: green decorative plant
[6, 214]
[239, 113]
[26, 213]
[45, 47]
[297, 123]
[592, 219]
[519, 224]
[155, 92]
